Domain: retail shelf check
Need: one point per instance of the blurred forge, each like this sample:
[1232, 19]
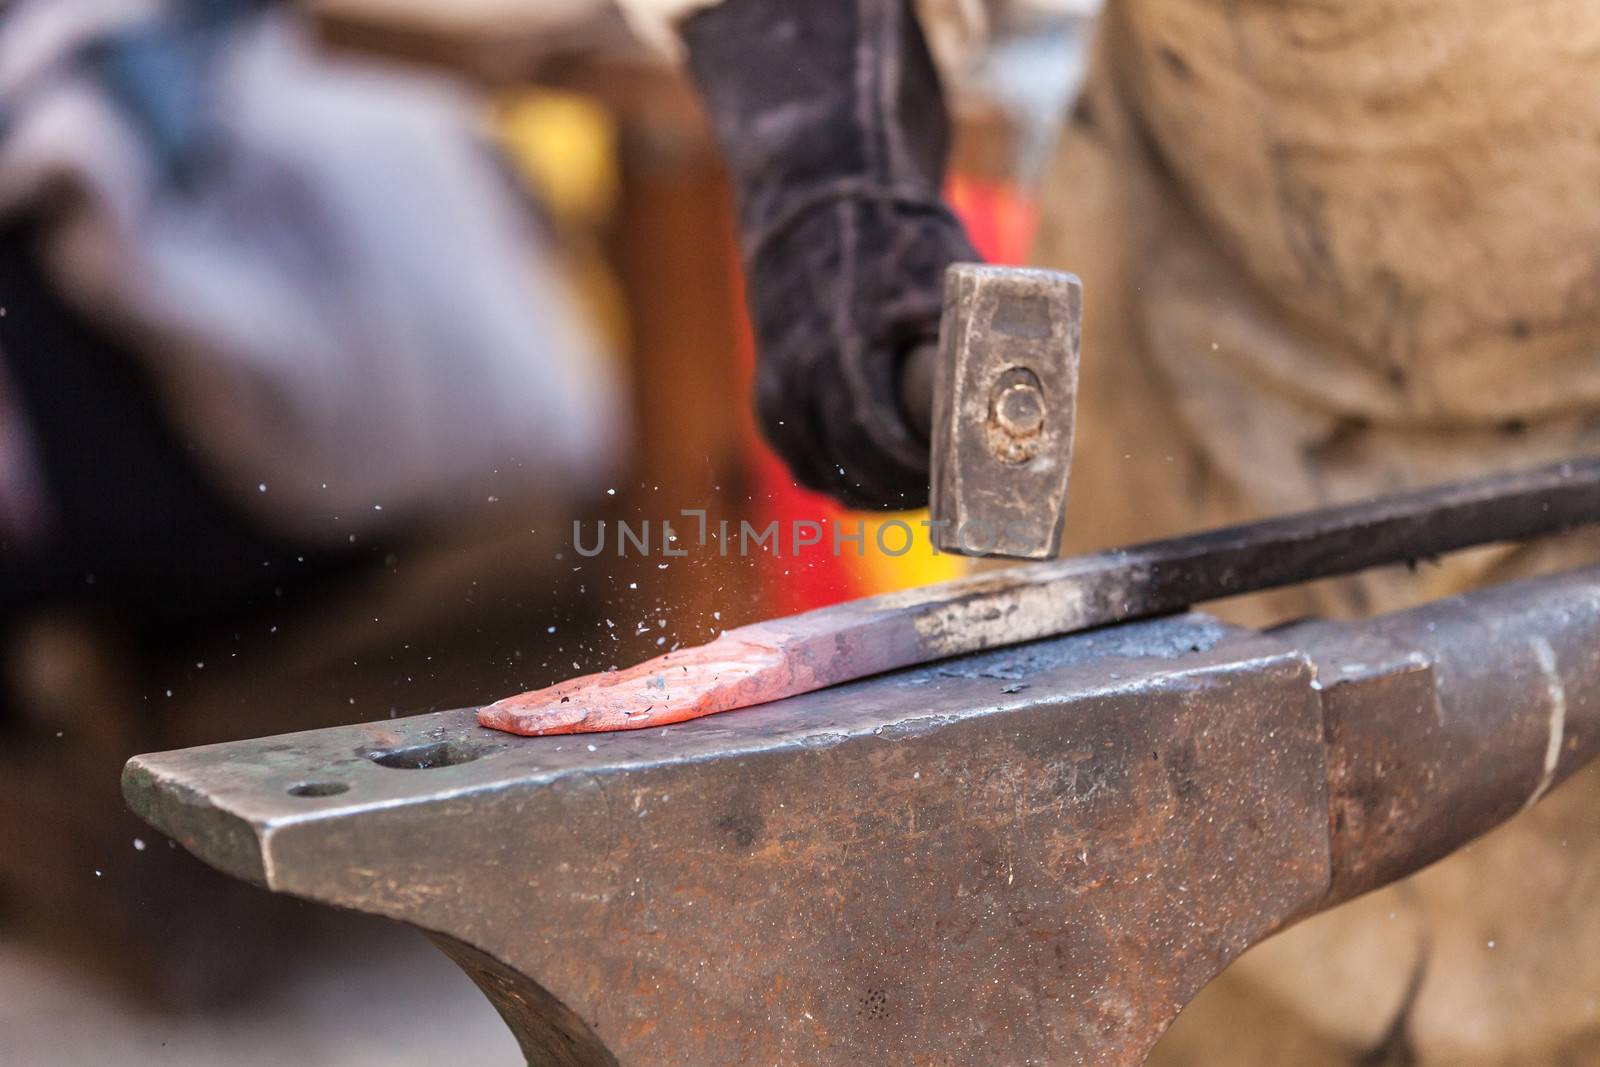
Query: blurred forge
[228, 623]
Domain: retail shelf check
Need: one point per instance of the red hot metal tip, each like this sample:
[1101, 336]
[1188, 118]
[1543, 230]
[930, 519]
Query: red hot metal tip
[729, 672]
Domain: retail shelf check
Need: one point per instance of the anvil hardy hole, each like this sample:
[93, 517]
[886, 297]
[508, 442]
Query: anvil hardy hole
[422, 757]
[318, 789]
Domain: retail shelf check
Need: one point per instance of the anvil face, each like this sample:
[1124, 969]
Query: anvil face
[949, 864]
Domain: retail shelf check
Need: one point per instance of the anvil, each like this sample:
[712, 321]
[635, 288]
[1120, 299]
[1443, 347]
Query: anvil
[1035, 855]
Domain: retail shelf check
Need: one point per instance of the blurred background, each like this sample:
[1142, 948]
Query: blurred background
[477, 260]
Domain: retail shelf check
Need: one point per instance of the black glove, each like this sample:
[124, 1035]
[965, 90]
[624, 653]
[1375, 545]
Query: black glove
[830, 116]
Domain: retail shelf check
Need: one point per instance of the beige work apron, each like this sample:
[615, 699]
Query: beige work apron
[1332, 249]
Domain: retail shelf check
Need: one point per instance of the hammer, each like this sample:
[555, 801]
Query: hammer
[996, 399]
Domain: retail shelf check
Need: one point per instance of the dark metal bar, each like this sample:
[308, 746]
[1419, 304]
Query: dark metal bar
[783, 657]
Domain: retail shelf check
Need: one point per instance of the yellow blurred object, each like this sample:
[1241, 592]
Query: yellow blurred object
[882, 573]
[564, 148]
[564, 145]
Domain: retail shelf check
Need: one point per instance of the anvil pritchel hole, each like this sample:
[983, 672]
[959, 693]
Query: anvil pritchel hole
[423, 757]
[318, 789]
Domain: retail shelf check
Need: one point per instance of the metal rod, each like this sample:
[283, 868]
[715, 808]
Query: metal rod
[783, 657]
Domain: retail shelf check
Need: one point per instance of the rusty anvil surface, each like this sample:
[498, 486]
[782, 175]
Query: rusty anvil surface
[1030, 856]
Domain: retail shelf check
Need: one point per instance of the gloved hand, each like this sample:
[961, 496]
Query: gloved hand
[830, 116]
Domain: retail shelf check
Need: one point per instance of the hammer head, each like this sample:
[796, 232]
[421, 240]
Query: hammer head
[1005, 399]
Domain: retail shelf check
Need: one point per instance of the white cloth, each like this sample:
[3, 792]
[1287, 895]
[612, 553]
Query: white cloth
[655, 21]
[954, 28]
